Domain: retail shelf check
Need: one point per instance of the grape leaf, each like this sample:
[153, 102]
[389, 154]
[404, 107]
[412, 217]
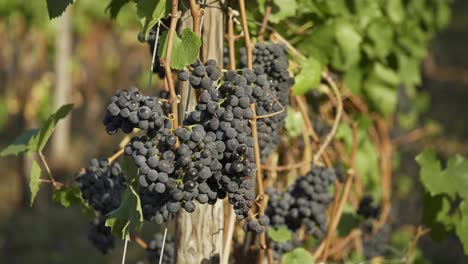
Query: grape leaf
[184, 50]
[293, 124]
[282, 9]
[151, 11]
[128, 217]
[21, 143]
[309, 77]
[297, 256]
[280, 234]
[395, 11]
[129, 168]
[114, 7]
[451, 181]
[57, 7]
[45, 132]
[447, 187]
[34, 181]
[69, 195]
[348, 40]
[349, 220]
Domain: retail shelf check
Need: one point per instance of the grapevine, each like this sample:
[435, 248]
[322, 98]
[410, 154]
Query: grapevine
[272, 120]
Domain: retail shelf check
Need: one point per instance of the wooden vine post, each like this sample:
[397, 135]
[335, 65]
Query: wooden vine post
[200, 234]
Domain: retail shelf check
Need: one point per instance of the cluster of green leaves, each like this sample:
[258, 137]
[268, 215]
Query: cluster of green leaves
[445, 207]
[33, 141]
[374, 45]
[295, 256]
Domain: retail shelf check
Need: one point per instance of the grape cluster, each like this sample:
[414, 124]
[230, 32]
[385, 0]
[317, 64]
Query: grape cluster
[129, 109]
[304, 203]
[367, 209]
[155, 246]
[101, 184]
[273, 82]
[257, 225]
[280, 248]
[100, 235]
[202, 76]
[224, 112]
[376, 245]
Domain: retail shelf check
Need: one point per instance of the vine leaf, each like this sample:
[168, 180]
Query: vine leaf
[21, 144]
[57, 7]
[309, 77]
[150, 12]
[129, 215]
[349, 221]
[70, 195]
[129, 168]
[34, 182]
[185, 49]
[447, 190]
[280, 10]
[280, 234]
[453, 180]
[114, 7]
[297, 256]
[293, 123]
[45, 132]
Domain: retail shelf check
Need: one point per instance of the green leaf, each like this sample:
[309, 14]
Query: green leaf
[395, 11]
[129, 168]
[349, 221]
[348, 40]
[114, 7]
[185, 49]
[451, 181]
[282, 9]
[309, 77]
[21, 143]
[432, 206]
[71, 195]
[461, 226]
[280, 234]
[380, 36]
[45, 132]
[34, 181]
[353, 79]
[383, 97]
[151, 11]
[293, 124]
[57, 7]
[297, 256]
[128, 217]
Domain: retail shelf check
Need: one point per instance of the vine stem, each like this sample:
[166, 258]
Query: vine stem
[167, 61]
[139, 241]
[46, 166]
[335, 219]
[419, 233]
[339, 113]
[231, 41]
[229, 235]
[302, 104]
[196, 14]
[261, 32]
[116, 155]
[163, 245]
[291, 48]
[261, 190]
[150, 79]
[245, 29]
[127, 238]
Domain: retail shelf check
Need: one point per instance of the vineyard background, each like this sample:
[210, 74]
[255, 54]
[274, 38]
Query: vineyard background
[106, 55]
